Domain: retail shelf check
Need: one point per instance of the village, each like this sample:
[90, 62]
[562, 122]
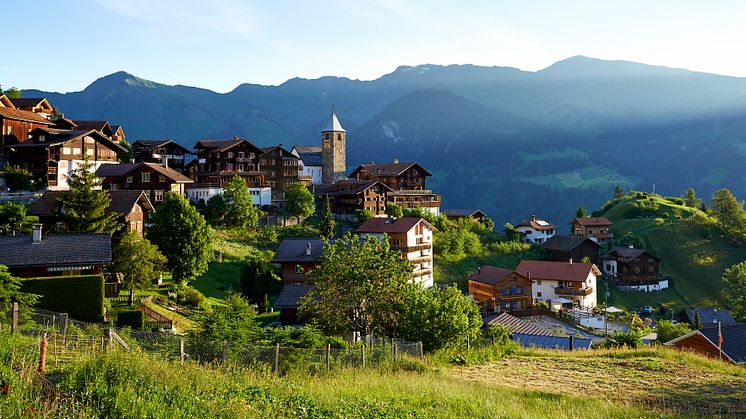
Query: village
[559, 300]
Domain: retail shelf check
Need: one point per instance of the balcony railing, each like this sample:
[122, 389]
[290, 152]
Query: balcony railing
[573, 291]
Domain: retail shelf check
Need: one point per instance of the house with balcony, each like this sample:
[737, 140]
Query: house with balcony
[407, 182]
[281, 170]
[498, 290]
[535, 230]
[296, 258]
[165, 152]
[151, 178]
[636, 269]
[413, 237]
[350, 195]
[17, 124]
[562, 281]
[597, 228]
[218, 161]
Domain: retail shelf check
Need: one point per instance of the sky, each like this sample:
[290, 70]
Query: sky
[64, 45]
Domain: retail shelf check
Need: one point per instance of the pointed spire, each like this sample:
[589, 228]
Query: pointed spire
[333, 124]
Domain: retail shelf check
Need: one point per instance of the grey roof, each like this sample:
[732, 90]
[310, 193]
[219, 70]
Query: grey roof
[121, 202]
[290, 295]
[734, 340]
[550, 342]
[461, 213]
[566, 242]
[55, 250]
[307, 148]
[294, 251]
[312, 158]
[517, 325]
[333, 124]
[709, 316]
[627, 253]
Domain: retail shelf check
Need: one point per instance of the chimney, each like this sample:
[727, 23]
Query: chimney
[533, 218]
[165, 161]
[528, 274]
[396, 161]
[308, 249]
[479, 270]
[570, 261]
[372, 162]
[571, 342]
[36, 233]
[631, 246]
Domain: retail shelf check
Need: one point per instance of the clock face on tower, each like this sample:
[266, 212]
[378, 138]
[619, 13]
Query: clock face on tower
[327, 143]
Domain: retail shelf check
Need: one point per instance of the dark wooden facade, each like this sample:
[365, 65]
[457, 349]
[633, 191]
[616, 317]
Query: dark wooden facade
[496, 289]
[151, 178]
[408, 183]
[17, 124]
[598, 228]
[281, 170]
[349, 196]
[219, 161]
[562, 248]
[161, 151]
[633, 266]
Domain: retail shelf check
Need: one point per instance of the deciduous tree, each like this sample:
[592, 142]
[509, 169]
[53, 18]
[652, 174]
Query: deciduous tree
[728, 210]
[299, 201]
[10, 291]
[580, 213]
[690, 198]
[618, 192]
[667, 330]
[240, 211]
[734, 279]
[13, 219]
[138, 260]
[182, 235]
[84, 207]
[233, 321]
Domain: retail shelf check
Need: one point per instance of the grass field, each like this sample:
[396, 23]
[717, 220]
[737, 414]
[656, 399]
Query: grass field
[693, 253]
[586, 177]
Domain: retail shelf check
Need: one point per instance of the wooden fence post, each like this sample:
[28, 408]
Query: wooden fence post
[363, 354]
[225, 351]
[14, 316]
[63, 327]
[419, 346]
[277, 358]
[393, 349]
[54, 351]
[43, 353]
[328, 355]
[492, 338]
[107, 339]
[468, 343]
[181, 351]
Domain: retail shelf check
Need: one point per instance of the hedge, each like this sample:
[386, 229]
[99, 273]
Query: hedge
[132, 318]
[82, 297]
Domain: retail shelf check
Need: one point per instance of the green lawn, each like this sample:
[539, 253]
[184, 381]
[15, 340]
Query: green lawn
[586, 177]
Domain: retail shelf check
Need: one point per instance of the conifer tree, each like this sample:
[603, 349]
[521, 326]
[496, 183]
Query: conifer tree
[327, 220]
[84, 206]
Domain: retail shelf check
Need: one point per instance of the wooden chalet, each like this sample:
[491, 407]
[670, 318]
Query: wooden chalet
[17, 124]
[55, 254]
[154, 179]
[497, 289]
[705, 341]
[101, 126]
[117, 133]
[457, 214]
[38, 105]
[563, 247]
[407, 182]
[168, 153]
[413, 237]
[297, 258]
[133, 208]
[630, 266]
[348, 196]
[51, 154]
[597, 228]
[220, 160]
[281, 170]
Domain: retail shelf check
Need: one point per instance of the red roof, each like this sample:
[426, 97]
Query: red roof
[593, 221]
[489, 275]
[537, 224]
[390, 225]
[556, 271]
[21, 115]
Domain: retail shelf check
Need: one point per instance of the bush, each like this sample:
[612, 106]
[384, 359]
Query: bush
[190, 296]
[82, 297]
[131, 318]
[667, 330]
[18, 179]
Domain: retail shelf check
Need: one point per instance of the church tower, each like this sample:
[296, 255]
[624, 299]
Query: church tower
[333, 151]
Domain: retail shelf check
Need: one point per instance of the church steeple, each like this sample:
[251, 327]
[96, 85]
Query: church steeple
[333, 151]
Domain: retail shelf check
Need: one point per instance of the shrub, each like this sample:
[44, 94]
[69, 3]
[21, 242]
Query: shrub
[131, 318]
[190, 296]
[18, 179]
[82, 297]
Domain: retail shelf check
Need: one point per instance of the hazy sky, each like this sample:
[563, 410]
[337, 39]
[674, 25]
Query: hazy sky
[63, 45]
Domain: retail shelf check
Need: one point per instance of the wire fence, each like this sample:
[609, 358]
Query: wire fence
[67, 339]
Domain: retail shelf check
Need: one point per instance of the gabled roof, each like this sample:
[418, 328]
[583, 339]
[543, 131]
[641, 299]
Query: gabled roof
[556, 271]
[296, 251]
[333, 124]
[567, 242]
[537, 224]
[123, 169]
[55, 250]
[102, 126]
[115, 128]
[709, 316]
[356, 186]
[628, 254]
[300, 149]
[463, 213]
[121, 202]
[5, 102]
[59, 136]
[151, 145]
[734, 340]
[285, 153]
[290, 296]
[490, 275]
[311, 158]
[516, 325]
[391, 225]
[26, 116]
[65, 123]
[388, 169]
[218, 146]
[30, 102]
[593, 221]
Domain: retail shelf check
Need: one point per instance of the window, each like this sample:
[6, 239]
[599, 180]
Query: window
[129, 179]
[229, 155]
[65, 150]
[299, 269]
[145, 177]
[229, 166]
[76, 151]
[89, 151]
[42, 138]
[538, 282]
[161, 179]
[538, 294]
[158, 195]
[241, 154]
[10, 130]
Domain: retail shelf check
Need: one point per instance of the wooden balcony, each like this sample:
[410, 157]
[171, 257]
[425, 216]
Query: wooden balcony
[422, 272]
[573, 291]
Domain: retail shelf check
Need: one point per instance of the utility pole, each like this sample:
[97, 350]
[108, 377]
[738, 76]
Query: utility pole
[606, 307]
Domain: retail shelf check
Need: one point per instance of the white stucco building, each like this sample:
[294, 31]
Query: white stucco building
[309, 166]
[568, 280]
[535, 230]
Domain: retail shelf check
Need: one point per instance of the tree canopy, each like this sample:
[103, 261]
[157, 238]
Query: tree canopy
[138, 260]
[13, 219]
[299, 201]
[327, 223]
[240, 211]
[10, 291]
[182, 235]
[734, 279]
[728, 210]
[84, 207]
